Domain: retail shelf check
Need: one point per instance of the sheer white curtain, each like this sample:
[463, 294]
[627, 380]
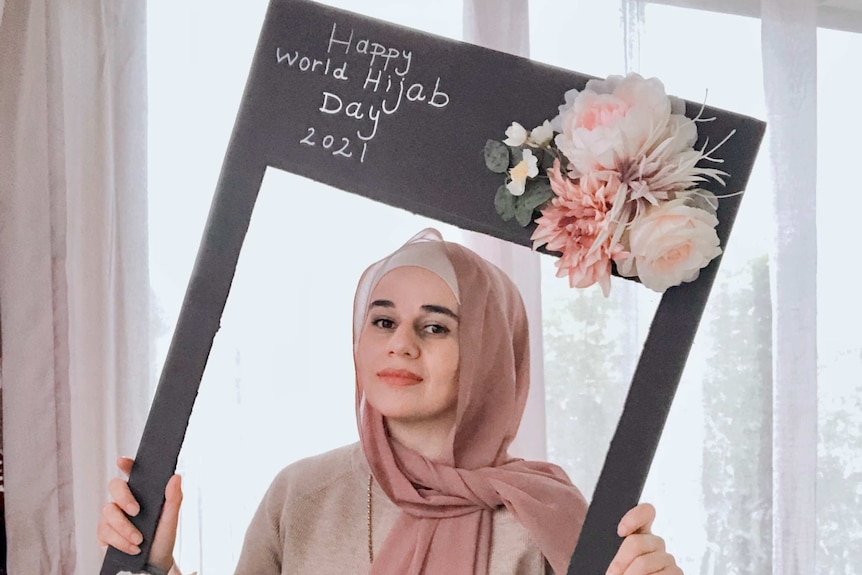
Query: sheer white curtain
[789, 36]
[73, 279]
[505, 26]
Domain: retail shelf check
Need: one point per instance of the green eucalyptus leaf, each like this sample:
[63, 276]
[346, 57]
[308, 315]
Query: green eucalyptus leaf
[496, 156]
[504, 201]
[537, 192]
[523, 214]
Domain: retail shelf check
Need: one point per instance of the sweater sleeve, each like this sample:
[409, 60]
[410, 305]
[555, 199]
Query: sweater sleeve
[263, 546]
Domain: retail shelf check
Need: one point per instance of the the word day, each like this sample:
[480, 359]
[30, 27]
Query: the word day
[393, 96]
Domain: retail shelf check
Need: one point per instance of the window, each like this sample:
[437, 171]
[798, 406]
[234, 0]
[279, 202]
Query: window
[712, 476]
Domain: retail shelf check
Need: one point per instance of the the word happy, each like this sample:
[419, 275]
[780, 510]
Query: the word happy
[378, 53]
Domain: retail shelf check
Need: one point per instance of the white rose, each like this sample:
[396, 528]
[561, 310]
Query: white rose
[541, 135]
[516, 135]
[670, 244]
[526, 168]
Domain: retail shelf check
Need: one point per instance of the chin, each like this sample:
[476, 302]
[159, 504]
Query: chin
[385, 401]
[391, 408]
[403, 406]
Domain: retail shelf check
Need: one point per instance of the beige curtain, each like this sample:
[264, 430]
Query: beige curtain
[73, 268]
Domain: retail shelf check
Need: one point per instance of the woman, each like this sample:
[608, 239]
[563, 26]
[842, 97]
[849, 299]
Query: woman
[441, 350]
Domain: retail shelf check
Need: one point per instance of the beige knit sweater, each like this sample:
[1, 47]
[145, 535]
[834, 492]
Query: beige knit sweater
[314, 520]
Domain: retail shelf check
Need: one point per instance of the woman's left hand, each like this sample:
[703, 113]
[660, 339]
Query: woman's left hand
[641, 552]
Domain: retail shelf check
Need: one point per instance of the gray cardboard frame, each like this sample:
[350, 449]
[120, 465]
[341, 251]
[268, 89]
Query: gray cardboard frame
[424, 156]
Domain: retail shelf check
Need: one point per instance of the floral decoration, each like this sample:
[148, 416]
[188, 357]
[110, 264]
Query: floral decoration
[615, 178]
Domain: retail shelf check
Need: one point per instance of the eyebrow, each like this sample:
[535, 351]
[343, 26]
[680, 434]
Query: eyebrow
[431, 308]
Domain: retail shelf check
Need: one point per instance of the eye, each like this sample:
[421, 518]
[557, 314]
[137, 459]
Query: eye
[436, 329]
[383, 323]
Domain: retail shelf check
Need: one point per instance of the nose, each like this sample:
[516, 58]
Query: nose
[403, 342]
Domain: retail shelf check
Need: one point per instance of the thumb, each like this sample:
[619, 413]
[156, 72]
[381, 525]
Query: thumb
[162, 549]
[639, 519]
[125, 465]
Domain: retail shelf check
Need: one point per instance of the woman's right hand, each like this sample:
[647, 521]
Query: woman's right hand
[115, 528]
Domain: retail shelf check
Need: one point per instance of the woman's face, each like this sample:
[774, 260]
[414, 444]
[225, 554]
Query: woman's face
[407, 356]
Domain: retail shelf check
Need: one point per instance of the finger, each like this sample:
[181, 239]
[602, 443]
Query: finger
[122, 496]
[173, 496]
[639, 519]
[107, 536]
[125, 465]
[113, 532]
[119, 522]
[653, 564]
[633, 547]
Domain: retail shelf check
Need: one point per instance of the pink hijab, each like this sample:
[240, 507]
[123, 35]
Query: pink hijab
[447, 504]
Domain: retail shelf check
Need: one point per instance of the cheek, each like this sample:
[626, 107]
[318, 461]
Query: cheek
[362, 360]
[449, 371]
[361, 378]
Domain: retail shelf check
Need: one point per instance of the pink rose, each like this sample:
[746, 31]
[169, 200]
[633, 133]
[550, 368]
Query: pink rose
[670, 244]
[612, 119]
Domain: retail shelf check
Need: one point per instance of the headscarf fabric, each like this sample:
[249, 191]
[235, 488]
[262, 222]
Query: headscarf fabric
[447, 504]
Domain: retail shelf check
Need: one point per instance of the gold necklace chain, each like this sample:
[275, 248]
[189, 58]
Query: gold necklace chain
[370, 537]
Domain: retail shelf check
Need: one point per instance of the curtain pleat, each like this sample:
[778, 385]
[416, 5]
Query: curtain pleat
[505, 26]
[36, 418]
[789, 40]
[633, 18]
[73, 269]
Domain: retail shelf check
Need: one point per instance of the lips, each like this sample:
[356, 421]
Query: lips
[399, 377]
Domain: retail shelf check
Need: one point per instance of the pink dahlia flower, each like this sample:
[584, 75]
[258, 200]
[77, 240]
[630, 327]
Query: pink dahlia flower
[572, 223]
